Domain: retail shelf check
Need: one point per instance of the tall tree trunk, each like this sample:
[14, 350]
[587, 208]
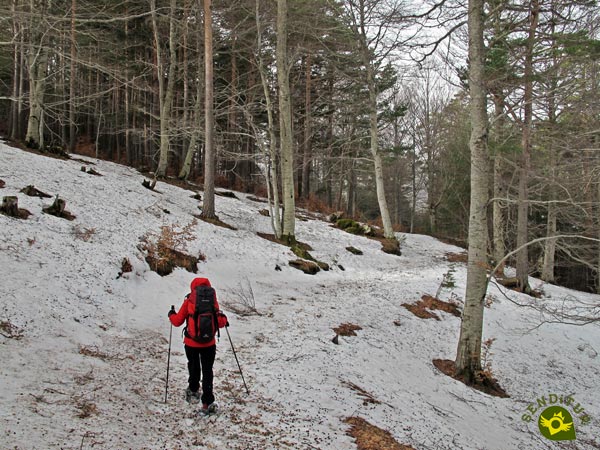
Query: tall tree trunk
[498, 247]
[366, 54]
[72, 76]
[285, 125]
[272, 173]
[34, 137]
[186, 168]
[14, 108]
[388, 230]
[37, 62]
[208, 206]
[468, 356]
[165, 92]
[551, 223]
[522, 264]
[306, 156]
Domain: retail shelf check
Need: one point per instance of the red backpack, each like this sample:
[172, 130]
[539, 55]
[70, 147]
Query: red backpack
[202, 322]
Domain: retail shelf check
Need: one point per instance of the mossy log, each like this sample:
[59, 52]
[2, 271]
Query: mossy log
[308, 267]
[354, 250]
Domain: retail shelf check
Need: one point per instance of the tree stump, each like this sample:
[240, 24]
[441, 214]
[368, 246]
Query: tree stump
[32, 191]
[58, 209]
[149, 184]
[2, 184]
[10, 207]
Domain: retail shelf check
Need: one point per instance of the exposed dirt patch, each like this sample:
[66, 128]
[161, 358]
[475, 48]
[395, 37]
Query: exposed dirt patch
[169, 259]
[423, 307]
[347, 329]
[514, 285]
[273, 238]
[216, 221]
[370, 437]
[484, 381]
[457, 257]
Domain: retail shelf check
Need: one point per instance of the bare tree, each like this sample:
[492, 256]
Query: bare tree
[468, 355]
[285, 125]
[208, 206]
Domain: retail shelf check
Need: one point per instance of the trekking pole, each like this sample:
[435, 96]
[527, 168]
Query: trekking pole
[169, 357]
[236, 360]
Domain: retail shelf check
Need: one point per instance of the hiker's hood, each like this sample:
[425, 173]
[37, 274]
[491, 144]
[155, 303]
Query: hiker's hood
[199, 282]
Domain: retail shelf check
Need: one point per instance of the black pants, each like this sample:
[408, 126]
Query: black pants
[201, 359]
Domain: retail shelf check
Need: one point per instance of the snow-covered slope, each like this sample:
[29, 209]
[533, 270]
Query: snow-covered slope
[86, 364]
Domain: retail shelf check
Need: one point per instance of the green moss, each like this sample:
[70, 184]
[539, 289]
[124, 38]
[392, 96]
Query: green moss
[343, 224]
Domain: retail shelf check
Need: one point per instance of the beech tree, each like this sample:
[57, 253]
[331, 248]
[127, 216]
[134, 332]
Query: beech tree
[285, 125]
[208, 206]
[468, 355]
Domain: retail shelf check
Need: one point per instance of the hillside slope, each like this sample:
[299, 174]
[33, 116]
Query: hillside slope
[84, 352]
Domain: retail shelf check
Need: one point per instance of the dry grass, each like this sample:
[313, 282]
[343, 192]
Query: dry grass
[423, 307]
[86, 409]
[370, 437]
[243, 302]
[165, 251]
[367, 397]
[93, 351]
[457, 257]
[8, 330]
[484, 381]
[347, 329]
[83, 234]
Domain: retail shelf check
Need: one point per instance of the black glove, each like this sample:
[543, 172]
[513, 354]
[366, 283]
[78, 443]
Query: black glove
[171, 311]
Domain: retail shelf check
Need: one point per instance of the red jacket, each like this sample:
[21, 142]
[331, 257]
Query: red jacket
[187, 309]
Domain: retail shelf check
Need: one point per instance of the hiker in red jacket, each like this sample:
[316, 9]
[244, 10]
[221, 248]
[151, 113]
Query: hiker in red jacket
[200, 311]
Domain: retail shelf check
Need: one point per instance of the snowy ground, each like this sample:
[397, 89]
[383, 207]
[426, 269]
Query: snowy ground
[86, 364]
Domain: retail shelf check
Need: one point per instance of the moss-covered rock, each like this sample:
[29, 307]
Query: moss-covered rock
[344, 224]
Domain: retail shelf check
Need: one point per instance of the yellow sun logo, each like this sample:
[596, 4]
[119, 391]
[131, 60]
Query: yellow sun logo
[556, 423]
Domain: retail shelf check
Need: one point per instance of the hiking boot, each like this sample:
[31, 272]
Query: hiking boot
[192, 397]
[208, 409]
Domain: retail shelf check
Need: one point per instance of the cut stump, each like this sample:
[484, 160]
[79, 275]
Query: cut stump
[58, 209]
[10, 207]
